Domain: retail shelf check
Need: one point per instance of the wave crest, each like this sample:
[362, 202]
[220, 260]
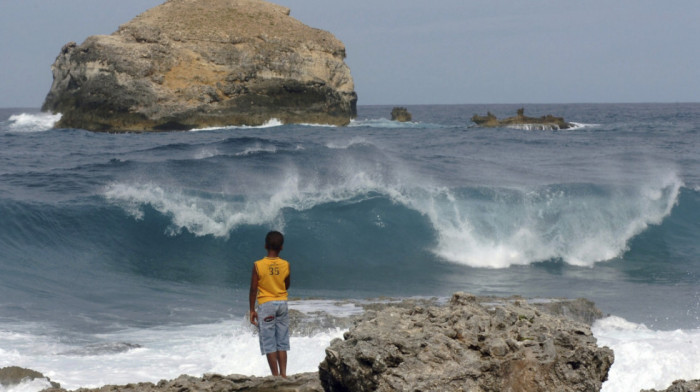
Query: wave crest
[580, 225]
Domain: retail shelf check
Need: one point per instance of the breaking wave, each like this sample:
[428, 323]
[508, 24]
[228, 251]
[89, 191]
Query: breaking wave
[580, 224]
[28, 122]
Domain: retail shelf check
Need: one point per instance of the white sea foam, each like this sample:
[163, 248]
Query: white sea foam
[646, 359]
[550, 127]
[524, 227]
[34, 385]
[511, 227]
[218, 215]
[37, 122]
[271, 123]
[228, 347]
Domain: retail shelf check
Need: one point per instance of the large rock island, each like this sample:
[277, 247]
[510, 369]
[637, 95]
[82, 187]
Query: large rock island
[191, 64]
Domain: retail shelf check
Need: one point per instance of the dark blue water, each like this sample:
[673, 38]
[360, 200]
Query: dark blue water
[106, 231]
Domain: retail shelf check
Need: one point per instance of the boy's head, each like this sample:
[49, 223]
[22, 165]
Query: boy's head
[274, 241]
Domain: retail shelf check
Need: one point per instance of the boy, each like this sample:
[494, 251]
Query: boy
[269, 285]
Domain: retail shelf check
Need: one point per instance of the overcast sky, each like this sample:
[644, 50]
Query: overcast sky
[419, 52]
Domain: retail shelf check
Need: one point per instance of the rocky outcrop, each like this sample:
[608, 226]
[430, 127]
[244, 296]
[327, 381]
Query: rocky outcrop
[14, 375]
[468, 345]
[304, 382]
[680, 386]
[400, 114]
[191, 64]
[522, 121]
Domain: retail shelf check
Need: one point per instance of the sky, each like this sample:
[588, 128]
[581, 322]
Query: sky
[418, 52]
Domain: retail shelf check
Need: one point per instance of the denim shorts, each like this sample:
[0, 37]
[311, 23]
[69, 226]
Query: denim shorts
[273, 325]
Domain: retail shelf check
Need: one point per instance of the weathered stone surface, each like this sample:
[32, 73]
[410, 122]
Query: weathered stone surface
[400, 114]
[304, 382]
[14, 375]
[189, 64]
[680, 386]
[466, 345]
[522, 121]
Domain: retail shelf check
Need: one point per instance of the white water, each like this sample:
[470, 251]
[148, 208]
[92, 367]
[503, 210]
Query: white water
[150, 355]
[271, 123]
[510, 227]
[527, 226]
[552, 127]
[645, 358]
[26, 122]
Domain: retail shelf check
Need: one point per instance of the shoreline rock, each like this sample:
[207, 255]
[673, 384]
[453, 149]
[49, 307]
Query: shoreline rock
[520, 120]
[193, 64]
[468, 343]
[302, 382]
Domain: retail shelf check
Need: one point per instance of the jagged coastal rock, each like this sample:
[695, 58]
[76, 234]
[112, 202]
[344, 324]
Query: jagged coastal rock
[468, 345]
[521, 121]
[400, 114]
[202, 63]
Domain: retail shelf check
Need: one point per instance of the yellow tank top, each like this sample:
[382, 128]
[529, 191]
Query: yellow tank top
[271, 275]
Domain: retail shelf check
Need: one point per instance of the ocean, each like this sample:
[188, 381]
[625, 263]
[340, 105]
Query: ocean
[127, 257]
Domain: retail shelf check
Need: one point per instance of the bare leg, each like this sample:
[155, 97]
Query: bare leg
[282, 359]
[272, 360]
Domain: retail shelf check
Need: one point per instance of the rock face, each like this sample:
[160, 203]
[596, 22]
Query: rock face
[200, 63]
[467, 345]
[522, 121]
[400, 114]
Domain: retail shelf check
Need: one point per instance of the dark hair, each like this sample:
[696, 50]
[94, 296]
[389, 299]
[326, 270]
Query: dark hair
[274, 241]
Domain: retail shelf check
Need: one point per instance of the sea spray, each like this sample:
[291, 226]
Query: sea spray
[580, 224]
[645, 358]
[33, 122]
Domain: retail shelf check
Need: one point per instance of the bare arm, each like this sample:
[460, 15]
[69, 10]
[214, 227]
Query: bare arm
[287, 282]
[252, 296]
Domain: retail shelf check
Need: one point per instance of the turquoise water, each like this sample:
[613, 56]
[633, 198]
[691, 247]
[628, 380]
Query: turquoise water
[119, 228]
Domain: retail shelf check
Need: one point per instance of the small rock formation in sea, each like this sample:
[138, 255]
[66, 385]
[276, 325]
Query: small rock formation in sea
[522, 121]
[680, 386]
[191, 64]
[400, 114]
[467, 345]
